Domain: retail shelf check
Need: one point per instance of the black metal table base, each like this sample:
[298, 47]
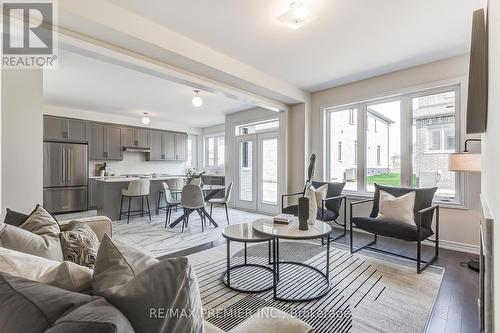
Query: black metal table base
[294, 295]
[226, 276]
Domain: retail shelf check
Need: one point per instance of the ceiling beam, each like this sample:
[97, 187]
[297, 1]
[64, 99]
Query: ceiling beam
[125, 30]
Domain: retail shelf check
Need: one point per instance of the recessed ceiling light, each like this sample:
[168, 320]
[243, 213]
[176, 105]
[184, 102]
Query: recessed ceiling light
[296, 16]
[197, 101]
[145, 119]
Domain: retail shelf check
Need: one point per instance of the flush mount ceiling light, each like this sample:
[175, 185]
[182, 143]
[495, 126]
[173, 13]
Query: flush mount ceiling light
[145, 119]
[296, 16]
[197, 101]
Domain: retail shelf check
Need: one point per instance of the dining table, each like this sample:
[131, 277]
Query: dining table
[209, 192]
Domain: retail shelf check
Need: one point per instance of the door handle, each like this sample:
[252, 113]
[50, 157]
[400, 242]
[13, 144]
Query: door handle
[69, 164]
[63, 173]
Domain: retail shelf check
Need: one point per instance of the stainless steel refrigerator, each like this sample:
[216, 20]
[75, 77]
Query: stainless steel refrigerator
[65, 177]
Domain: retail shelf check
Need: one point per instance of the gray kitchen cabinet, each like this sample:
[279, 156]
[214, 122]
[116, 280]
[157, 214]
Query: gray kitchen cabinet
[169, 146]
[96, 144]
[142, 137]
[105, 142]
[92, 193]
[64, 129]
[180, 146]
[135, 137]
[157, 146]
[113, 137]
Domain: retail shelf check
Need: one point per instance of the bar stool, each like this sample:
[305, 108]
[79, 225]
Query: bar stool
[138, 188]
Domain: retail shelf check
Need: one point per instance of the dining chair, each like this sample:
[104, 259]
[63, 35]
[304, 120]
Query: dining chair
[193, 200]
[170, 202]
[222, 201]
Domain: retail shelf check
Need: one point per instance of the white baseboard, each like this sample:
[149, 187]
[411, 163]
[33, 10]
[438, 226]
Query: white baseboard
[455, 246]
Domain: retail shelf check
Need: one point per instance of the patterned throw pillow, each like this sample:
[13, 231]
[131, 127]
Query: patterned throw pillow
[79, 244]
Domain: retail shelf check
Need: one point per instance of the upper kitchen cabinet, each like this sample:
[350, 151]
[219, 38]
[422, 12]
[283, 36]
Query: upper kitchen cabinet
[64, 129]
[105, 142]
[181, 146]
[157, 146]
[167, 146]
[135, 137]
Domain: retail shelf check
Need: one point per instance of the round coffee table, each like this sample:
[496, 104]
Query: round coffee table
[297, 291]
[244, 233]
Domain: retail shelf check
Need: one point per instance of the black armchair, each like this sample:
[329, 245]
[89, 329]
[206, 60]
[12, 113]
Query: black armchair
[424, 212]
[329, 210]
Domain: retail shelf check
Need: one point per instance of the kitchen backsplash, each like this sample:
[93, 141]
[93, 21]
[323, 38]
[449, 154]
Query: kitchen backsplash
[136, 163]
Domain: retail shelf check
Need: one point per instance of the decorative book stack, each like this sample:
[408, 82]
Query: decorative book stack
[285, 219]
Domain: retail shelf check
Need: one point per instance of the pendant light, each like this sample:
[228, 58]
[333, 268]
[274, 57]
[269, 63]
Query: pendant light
[145, 119]
[197, 101]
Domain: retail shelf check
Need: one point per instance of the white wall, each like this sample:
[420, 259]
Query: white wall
[296, 147]
[135, 162]
[490, 144]
[22, 131]
[459, 227]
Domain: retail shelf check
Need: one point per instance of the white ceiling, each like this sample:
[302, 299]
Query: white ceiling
[85, 83]
[348, 41]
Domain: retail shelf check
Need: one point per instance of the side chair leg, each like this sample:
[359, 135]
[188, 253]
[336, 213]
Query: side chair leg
[128, 214]
[227, 214]
[351, 232]
[142, 206]
[149, 210]
[121, 208]
[419, 249]
[211, 207]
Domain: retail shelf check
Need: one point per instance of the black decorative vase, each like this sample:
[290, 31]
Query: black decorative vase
[303, 213]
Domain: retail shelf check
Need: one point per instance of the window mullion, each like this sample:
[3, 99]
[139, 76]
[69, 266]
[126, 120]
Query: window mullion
[406, 141]
[362, 151]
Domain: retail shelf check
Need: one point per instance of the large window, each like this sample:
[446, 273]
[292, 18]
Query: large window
[425, 123]
[214, 152]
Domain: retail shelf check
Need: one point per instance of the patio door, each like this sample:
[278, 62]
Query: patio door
[257, 172]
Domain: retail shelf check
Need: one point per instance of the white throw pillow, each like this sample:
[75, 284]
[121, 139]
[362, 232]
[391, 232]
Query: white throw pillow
[397, 208]
[320, 193]
[310, 194]
[65, 275]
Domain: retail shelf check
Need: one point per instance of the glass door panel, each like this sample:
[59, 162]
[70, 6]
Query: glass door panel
[268, 173]
[246, 173]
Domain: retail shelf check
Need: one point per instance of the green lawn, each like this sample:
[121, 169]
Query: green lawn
[392, 179]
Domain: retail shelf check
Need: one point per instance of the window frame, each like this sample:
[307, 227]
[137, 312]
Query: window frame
[216, 138]
[406, 136]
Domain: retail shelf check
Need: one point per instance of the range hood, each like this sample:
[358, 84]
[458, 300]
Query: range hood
[137, 149]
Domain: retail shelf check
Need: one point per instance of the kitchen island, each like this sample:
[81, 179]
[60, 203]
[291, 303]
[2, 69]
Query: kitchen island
[109, 193]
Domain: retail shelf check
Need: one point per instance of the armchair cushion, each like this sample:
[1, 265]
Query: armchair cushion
[423, 199]
[391, 228]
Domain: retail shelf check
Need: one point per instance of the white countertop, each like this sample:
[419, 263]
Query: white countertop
[118, 179]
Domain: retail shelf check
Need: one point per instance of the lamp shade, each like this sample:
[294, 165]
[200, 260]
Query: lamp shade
[464, 162]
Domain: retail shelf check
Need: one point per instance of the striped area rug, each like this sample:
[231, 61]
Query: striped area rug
[368, 293]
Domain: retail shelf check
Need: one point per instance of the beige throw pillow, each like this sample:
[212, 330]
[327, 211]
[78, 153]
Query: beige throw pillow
[65, 275]
[397, 208]
[38, 235]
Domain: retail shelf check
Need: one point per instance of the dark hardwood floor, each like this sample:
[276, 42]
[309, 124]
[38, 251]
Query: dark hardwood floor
[455, 310]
